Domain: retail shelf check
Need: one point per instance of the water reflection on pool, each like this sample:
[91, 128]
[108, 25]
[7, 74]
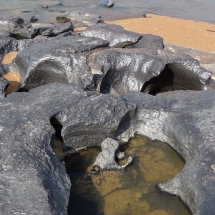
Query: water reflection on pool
[128, 192]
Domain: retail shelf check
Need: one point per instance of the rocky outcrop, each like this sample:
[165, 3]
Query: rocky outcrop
[91, 121]
[125, 70]
[18, 27]
[79, 18]
[150, 42]
[106, 159]
[30, 172]
[116, 35]
[185, 120]
[54, 60]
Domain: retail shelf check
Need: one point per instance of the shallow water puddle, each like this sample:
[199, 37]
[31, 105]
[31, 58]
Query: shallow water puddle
[128, 192]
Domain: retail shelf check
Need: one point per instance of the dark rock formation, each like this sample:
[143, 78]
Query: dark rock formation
[33, 19]
[7, 45]
[56, 60]
[79, 18]
[91, 121]
[116, 35]
[3, 85]
[106, 159]
[139, 70]
[150, 42]
[30, 172]
[17, 26]
[185, 120]
[64, 27]
[41, 27]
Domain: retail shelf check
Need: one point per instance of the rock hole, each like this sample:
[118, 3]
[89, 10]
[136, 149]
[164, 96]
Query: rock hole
[173, 77]
[161, 83]
[58, 141]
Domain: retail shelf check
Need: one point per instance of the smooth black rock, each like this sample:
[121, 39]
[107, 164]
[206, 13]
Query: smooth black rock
[64, 27]
[61, 60]
[33, 19]
[91, 121]
[149, 41]
[139, 70]
[79, 18]
[185, 120]
[116, 35]
[17, 26]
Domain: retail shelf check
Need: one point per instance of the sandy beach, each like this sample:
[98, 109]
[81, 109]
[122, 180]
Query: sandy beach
[188, 33]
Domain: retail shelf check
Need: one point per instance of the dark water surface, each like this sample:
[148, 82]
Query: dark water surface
[128, 192]
[199, 10]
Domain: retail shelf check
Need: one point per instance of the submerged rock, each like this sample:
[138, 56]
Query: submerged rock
[78, 18]
[106, 160]
[116, 35]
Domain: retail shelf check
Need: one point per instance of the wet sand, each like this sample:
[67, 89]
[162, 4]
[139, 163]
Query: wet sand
[188, 33]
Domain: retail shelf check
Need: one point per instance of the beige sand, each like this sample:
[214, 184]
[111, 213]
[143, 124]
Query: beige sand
[198, 35]
[12, 77]
[8, 58]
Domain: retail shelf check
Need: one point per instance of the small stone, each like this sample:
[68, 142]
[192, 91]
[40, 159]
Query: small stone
[45, 6]
[26, 11]
[110, 3]
[33, 19]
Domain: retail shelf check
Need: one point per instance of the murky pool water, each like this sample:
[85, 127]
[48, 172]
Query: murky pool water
[128, 192]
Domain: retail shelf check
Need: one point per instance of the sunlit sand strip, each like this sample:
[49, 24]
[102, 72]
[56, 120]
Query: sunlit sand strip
[198, 35]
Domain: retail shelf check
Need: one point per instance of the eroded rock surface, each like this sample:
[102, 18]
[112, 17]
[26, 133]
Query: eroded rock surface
[185, 120]
[106, 159]
[139, 70]
[116, 35]
[54, 60]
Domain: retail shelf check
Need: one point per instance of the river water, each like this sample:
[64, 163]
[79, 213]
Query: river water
[198, 10]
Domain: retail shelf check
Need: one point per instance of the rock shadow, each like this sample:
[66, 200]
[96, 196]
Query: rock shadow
[173, 77]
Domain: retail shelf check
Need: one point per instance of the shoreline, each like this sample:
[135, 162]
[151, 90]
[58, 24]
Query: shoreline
[180, 32]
